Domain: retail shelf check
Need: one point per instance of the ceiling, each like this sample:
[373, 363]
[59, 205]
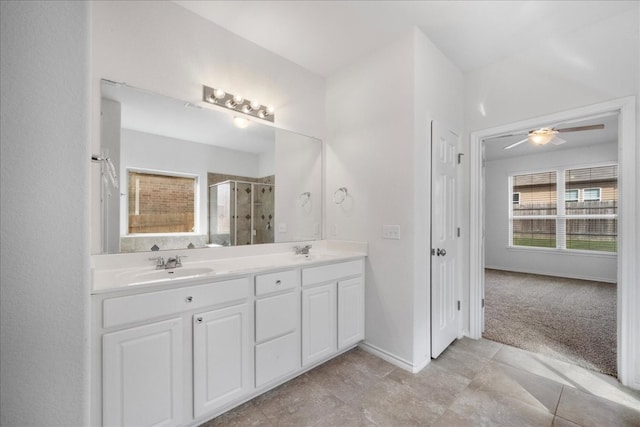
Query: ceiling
[494, 147]
[325, 36]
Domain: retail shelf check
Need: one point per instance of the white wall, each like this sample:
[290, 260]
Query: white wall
[159, 153]
[164, 48]
[439, 96]
[555, 263]
[44, 260]
[377, 148]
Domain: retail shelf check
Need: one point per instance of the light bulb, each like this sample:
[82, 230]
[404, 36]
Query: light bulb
[219, 93]
[269, 110]
[240, 122]
[254, 105]
[542, 136]
[246, 109]
[238, 99]
[230, 104]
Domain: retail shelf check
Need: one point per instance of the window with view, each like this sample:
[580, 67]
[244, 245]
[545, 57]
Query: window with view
[161, 203]
[573, 209]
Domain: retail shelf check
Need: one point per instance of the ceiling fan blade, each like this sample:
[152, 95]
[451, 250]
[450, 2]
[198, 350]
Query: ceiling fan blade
[579, 128]
[557, 141]
[507, 134]
[516, 144]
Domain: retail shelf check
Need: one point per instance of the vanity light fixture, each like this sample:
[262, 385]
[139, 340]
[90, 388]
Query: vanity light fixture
[221, 98]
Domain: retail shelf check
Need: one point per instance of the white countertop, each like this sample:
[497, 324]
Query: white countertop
[127, 271]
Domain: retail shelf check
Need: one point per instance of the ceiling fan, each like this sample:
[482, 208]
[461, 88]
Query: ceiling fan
[543, 136]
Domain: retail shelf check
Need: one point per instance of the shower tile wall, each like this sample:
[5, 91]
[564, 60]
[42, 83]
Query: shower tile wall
[263, 210]
[243, 214]
[261, 199]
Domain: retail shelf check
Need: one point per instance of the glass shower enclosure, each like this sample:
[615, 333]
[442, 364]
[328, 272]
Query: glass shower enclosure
[241, 213]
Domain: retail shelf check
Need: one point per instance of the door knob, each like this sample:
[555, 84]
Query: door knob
[441, 252]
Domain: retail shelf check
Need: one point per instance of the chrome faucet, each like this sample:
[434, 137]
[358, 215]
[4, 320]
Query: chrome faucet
[159, 262]
[172, 262]
[304, 250]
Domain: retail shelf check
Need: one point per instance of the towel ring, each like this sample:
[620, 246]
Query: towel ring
[304, 198]
[340, 195]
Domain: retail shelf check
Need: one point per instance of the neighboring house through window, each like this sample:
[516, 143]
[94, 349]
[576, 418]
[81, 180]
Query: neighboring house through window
[551, 213]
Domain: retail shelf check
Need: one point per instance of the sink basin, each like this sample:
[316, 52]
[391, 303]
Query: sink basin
[138, 277]
[313, 257]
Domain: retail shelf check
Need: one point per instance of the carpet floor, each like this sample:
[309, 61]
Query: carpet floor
[568, 319]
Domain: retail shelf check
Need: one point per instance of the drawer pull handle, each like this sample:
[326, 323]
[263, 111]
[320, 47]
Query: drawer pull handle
[199, 319]
[278, 282]
[189, 299]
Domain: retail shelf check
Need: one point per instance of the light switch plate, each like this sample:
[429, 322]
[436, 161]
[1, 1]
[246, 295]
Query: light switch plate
[391, 232]
[282, 227]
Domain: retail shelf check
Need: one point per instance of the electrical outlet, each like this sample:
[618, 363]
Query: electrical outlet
[391, 232]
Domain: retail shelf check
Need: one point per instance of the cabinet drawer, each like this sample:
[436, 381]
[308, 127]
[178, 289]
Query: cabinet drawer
[327, 273]
[135, 308]
[277, 315]
[277, 358]
[273, 282]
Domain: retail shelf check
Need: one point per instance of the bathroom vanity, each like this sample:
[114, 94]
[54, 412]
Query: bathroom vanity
[181, 348]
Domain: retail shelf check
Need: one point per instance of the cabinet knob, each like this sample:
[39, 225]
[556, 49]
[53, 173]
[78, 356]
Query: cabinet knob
[189, 299]
[278, 282]
[199, 319]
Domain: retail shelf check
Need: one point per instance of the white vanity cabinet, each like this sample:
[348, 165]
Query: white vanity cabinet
[181, 355]
[277, 334]
[332, 309]
[142, 375]
[153, 348]
[319, 321]
[221, 357]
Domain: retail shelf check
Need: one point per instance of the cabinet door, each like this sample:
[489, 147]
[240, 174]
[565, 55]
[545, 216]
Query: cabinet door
[221, 357]
[350, 312]
[142, 375]
[318, 323]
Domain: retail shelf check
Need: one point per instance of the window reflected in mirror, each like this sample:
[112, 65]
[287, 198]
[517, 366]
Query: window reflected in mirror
[161, 203]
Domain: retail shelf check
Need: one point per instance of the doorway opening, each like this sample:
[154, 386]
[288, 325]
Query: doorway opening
[625, 267]
[551, 239]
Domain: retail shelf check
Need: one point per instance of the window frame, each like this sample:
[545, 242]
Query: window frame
[584, 191]
[577, 199]
[561, 217]
[196, 203]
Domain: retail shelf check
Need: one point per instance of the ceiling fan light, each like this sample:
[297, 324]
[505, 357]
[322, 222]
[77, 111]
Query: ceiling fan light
[541, 136]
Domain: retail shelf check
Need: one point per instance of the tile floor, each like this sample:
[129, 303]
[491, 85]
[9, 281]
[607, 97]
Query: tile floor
[473, 383]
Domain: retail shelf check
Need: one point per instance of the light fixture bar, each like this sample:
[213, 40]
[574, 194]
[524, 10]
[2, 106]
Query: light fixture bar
[236, 103]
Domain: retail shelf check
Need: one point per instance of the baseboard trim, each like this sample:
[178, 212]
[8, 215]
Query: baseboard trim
[546, 273]
[393, 359]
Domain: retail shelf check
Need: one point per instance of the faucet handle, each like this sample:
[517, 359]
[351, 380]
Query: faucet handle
[179, 259]
[159, 261]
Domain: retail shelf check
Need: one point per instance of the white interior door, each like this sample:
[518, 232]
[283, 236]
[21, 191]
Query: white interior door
[444, 232]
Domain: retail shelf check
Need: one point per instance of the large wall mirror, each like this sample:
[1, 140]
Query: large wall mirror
[182, 175]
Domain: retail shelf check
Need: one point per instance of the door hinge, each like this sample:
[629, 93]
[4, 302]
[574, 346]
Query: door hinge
[460, 157]
[458, 305]
[433, 251]
[458, 231]
[482, 302]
